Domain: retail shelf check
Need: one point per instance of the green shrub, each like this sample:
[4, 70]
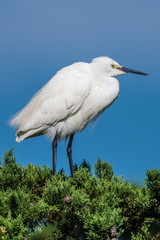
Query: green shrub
[83, 207]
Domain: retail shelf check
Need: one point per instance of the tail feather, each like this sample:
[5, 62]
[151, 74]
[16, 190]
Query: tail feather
[21, 135]
[14, 121]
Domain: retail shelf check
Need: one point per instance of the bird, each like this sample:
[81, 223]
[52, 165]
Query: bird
[75, 96]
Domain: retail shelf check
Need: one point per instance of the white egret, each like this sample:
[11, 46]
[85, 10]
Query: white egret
[76, 95]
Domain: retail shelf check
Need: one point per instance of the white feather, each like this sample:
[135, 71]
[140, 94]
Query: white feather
[76, 95]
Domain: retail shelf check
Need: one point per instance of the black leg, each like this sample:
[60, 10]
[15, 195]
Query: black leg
[69, 153]
[54, 151]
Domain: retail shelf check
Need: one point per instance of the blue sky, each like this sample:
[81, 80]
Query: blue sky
[40, 37]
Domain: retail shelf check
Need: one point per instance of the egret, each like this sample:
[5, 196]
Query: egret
[75, 96]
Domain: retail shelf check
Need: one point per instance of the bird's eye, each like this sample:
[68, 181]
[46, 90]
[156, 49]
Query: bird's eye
[115, 66]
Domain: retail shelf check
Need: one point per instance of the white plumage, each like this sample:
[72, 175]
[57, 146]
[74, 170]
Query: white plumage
[70, 100]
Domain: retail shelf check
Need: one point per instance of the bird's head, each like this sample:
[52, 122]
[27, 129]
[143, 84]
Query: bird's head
[111, 67]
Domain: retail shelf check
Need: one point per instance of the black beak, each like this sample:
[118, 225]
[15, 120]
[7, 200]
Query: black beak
[128, 70]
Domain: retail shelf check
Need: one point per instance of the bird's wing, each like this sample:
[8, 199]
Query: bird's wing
[67, 101]
[59, 99]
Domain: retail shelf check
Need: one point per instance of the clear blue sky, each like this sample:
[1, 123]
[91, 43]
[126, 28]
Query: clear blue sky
[40, 37]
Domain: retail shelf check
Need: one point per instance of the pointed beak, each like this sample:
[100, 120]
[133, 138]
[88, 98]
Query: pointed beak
[128, 70]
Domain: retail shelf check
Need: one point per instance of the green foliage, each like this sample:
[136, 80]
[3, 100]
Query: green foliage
[14, 227]
[83, 164]
[83, 207]
[11, 173]
[153, 183]
[143, 233]
[47, 231]
[103, 170]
